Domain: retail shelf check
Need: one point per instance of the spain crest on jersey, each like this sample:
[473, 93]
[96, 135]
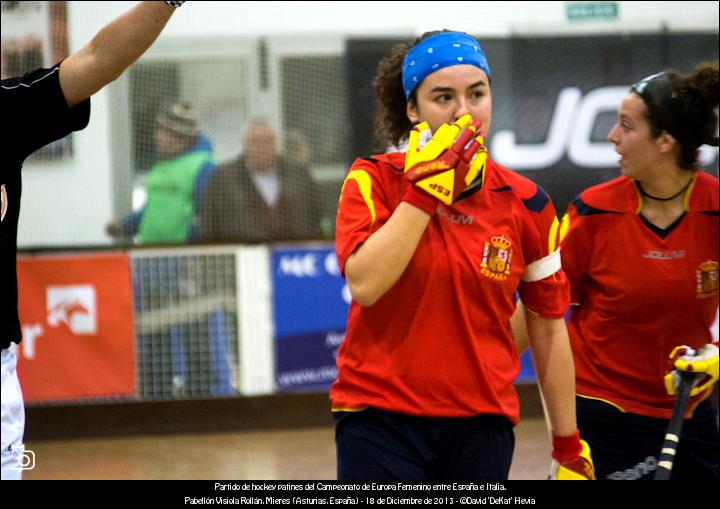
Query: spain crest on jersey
[707, 279]
[496, 258]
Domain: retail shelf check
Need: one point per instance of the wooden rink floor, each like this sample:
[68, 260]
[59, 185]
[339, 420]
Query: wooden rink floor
[296, 454]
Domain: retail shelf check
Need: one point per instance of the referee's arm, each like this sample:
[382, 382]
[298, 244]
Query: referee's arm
[112, 50]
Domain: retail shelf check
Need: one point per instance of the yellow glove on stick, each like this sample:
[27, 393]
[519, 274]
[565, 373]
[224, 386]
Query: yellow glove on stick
[703, 362]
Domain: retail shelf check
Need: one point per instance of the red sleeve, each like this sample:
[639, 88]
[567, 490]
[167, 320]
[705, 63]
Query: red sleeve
[362, 209]
[576, 250]
[549, 297]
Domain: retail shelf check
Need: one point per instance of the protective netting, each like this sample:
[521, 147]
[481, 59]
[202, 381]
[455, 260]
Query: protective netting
[216, 138]
[34, 35]
[185, 324]
[249, 175]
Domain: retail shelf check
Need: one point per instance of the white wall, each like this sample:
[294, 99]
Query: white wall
[358, 18]
[69, 202]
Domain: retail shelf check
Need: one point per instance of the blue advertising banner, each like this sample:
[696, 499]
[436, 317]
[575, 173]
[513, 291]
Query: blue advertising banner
[310, 307]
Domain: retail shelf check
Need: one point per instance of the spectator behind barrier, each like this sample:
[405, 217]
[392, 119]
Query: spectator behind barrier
[260, 196]
[175, 183]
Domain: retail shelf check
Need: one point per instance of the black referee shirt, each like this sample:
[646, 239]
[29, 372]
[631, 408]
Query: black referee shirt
[34, 113]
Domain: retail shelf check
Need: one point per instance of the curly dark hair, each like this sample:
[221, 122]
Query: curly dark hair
[693, 117]
[391, 122]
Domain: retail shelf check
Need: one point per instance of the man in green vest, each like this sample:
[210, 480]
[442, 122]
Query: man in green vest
[175, 184]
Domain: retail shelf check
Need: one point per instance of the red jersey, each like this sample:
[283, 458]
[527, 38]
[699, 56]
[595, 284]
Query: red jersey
[638, 291]
[439, 342]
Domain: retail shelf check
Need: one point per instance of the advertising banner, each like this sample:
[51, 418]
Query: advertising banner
[310, 302]
[77, 324]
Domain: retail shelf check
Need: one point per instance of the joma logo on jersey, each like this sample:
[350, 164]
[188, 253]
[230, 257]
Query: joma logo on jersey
[455, 218]
[496, 258]
[664, 255]
[707, 279]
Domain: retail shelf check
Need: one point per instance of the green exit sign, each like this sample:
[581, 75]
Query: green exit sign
[579, 11]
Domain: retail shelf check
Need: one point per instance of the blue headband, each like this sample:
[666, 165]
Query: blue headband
[437, 52]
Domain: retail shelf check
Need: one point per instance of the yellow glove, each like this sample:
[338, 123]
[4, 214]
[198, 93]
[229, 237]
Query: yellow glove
[704, 362]
[571, 459]
[447, 164]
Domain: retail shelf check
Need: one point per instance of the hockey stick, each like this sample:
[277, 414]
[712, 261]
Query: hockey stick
[672, 436]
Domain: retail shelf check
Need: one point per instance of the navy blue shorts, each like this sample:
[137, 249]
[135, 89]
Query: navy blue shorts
[378, 445]
[627, 446]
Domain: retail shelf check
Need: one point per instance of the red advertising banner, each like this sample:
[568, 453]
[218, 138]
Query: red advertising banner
[77, 322]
